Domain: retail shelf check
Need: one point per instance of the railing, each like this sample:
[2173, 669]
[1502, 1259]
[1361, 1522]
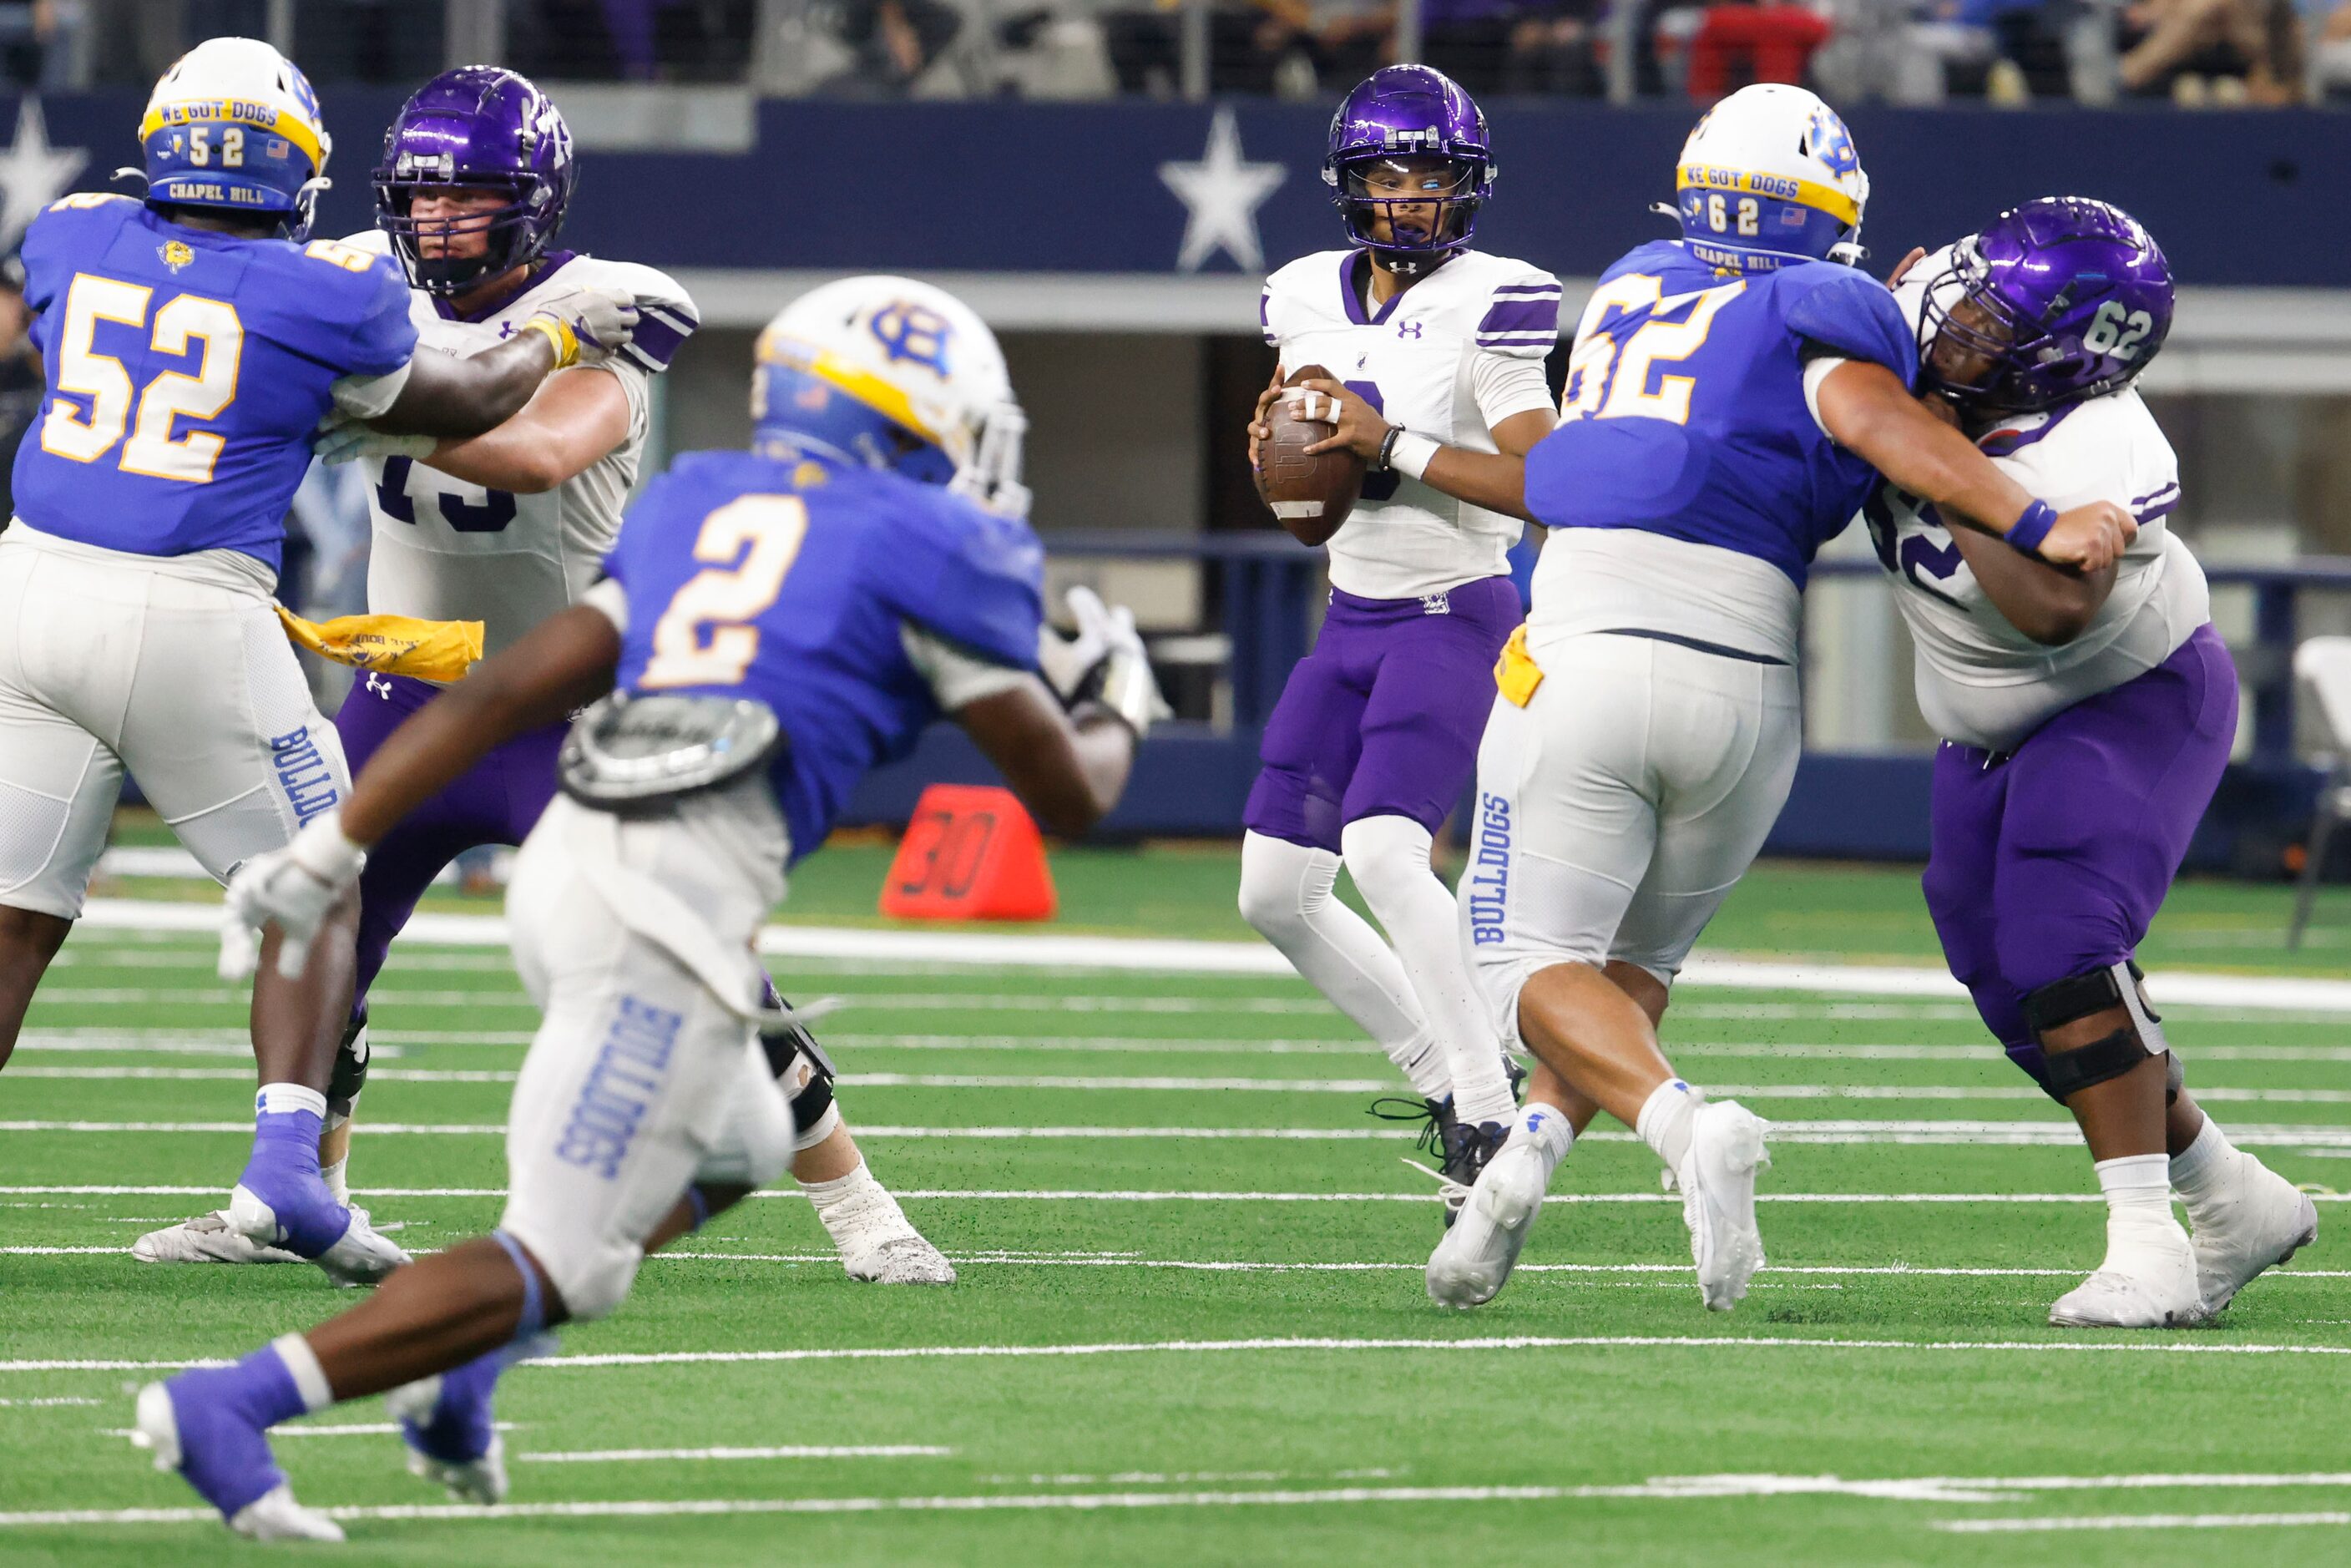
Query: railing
[1261, 586]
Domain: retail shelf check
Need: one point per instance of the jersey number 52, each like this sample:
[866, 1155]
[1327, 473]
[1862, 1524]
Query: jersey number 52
[170, 396]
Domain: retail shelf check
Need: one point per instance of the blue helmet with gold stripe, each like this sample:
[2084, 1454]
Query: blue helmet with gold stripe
[1769, 177]
[233, 127]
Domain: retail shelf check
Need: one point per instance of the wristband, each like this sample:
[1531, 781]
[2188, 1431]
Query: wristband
[2028, 529]
[1379, 463]
[559, 337]
[1410, 455]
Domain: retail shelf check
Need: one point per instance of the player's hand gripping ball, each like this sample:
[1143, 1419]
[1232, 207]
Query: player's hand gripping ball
[1310, 492]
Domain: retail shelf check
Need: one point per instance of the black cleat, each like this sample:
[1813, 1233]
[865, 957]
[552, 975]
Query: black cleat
[1468, 1147]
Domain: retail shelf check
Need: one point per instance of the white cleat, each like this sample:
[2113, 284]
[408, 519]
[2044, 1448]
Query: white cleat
[1717, 1185]
[206, 1238]
[276, 1516]
[902, 1258]
[1474, 1258]
[364, 1255]
[2147, 1281]
[2265, 1220]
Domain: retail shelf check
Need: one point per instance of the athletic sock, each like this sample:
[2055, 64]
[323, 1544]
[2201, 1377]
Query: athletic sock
[1422, 1061]
[851, 1205]
[1668, 1118]
[1546, 1127]
[335, 1176]
[2205, 1172]
[287, 1121]
[2138, 1204]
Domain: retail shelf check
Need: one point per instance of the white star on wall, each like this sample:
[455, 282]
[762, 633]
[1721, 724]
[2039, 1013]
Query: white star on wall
[1221, 194]
[32, 172]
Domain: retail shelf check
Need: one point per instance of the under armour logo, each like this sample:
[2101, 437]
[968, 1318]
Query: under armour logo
[1408, 329]
[1436, 604]
[378, 684]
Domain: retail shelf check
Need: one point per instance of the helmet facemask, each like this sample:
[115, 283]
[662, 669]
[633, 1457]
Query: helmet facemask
[1411, 209]
[517, 232]
[1983, 353]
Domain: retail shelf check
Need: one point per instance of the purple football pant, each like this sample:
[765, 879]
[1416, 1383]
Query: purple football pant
[1383, 719]
[2051, 862]
[498, 802]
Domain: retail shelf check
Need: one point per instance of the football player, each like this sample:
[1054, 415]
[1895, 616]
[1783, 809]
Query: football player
[1732, 397]
[506, 529]
[193, 342]
[1437, 351]
[2085, 721]
[775, 623]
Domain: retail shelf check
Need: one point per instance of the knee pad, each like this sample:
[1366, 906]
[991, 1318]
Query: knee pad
[350, 1075]
[2078, 997]
[805, 1073]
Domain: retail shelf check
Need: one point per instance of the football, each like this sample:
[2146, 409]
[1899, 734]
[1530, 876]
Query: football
[1310, 495]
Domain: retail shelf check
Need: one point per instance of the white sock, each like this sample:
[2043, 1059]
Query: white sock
[1388, 857]
[281, 1099]
[1286, 895]
[1667, 1120]
[853, 1203]
[301, 1362]
[1546, 1127]
[2138, 1199]
[2205, 1170]
[337, 1187]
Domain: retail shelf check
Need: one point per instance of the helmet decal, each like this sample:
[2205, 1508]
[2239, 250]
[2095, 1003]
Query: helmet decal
[1770, 176]
[910, 333]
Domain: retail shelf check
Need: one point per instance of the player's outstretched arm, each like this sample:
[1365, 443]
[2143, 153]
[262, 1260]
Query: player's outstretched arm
[1069, 769]
[576, 419]
[1867, 409]
[448, 396]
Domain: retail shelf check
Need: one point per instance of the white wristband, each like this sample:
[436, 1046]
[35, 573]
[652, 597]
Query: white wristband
[1411, 454]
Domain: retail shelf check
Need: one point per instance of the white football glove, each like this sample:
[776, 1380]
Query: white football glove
[601, 321]
[1107, 654]
[342, 440]
[293, 887]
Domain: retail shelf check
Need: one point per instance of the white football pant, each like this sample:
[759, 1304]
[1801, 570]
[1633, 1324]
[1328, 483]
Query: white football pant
[643, 1079]
[173, 667]
[1617, 809]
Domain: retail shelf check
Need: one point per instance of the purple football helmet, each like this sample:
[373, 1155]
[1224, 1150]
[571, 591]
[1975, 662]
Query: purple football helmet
[1406, 143]
[476, 128]
[2063, 298]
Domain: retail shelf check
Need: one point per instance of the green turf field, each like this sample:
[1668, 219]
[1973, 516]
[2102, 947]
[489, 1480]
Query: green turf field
[1180, 1339]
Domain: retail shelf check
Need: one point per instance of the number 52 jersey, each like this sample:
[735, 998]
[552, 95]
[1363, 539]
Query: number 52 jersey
[448, 551]
[186, 372]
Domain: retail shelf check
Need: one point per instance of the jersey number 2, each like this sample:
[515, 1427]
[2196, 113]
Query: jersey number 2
[170, 397]
[721, 601]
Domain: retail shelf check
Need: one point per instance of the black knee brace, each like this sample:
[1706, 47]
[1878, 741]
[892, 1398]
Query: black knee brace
[2078, 997]
[349, 1076]
[788, 1045]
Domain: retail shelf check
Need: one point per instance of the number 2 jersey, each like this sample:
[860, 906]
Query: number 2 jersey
[1450, 357]
[187, 369]
[1981, 681]
[858, 605]
[1689, 483]
[448, 551]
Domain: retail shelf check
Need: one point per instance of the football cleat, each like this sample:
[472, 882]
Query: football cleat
[226, 1457]
[445, 1422]
[360, 1255]
[905, 1259]
[1716, 1178]
[206, 1238]
[2147, 1281]
[2263, 1221]
[1468, 1150]
[1474, 1258]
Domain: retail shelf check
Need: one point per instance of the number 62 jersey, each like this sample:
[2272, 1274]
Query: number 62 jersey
[448, 551]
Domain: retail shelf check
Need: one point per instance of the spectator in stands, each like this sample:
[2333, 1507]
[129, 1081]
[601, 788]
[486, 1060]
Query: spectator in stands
[1513, 46]
[40, 41]
[1742, 41]
[2217, 51]
[895, 42]
[1248, 42]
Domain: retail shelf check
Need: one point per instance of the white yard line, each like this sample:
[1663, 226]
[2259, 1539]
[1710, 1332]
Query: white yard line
[2144, 1521]
[1133, 953]
[797, 1451]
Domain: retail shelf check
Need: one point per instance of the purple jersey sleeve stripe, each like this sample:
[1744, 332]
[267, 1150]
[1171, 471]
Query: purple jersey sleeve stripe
[1524, 289]
[682, 322]
[1264, 310]
[2162, 509]
[2160, 492]
[1521, 316]
[656, 340]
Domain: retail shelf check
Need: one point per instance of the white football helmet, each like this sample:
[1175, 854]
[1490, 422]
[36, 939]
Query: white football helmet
[1770, 176]
[234, 125]
[913, 354]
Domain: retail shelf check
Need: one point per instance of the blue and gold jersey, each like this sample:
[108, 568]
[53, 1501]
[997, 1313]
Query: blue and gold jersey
[186, 372]
[791, 583]
[1684, 411]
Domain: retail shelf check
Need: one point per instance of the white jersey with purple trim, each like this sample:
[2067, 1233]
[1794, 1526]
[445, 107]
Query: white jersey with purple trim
[447, 550]
[1980, 680]
[1451, 357]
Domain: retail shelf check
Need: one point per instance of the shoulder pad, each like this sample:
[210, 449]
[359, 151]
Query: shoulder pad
[1849, 312]
[667, 315]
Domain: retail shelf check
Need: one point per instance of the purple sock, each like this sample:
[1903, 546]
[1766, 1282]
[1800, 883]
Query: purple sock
[224, 1414]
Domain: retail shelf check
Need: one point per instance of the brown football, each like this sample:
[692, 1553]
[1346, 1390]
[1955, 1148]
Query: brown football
[1312, 496]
